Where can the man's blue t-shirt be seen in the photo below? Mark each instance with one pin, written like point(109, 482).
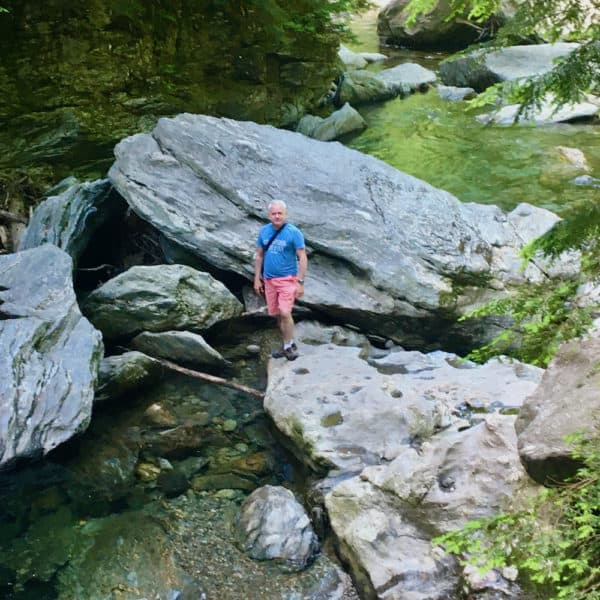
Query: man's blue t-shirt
point(280, 259)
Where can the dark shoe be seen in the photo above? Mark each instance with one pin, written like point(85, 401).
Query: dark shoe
point(289, 353)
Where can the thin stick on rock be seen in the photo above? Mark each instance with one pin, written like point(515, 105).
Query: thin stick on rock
point(210, 378)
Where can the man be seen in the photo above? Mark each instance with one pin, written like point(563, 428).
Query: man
point(279, 270)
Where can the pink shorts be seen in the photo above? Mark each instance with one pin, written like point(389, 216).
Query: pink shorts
point(280, 293)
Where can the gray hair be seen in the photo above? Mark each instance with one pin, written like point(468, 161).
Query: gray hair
point(278, 203)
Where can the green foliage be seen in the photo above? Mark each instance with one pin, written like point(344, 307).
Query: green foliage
point(553, 542)
point(571, 78)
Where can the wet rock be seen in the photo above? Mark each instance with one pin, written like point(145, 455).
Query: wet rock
point(258, 463)
point(159, 298)
point(364, 87)
point(342, 121)
point(222, 482)
point(178, 346)
point(548, 112)
point(177, 442)
point(147, 471)
point(272, 525)
point(172, 483)
point(566, 403)
point(123, 374)
point(159, 416)
point(50, 355)
point(479, 70)
point(351, 59)
point(409, 76)
point(105, 470)
point(192, 465)
point(456, 94)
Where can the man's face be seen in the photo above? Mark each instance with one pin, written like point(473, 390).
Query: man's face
point(277, 215)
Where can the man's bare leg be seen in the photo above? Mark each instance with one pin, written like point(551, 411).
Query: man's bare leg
point(286, 326)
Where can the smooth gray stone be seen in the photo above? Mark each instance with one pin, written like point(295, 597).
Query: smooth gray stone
point(387, 251)
point(342, 121)
point(455, 94)
point(49, 355)
point(273, 525)
point(159, 298)
point(408, 75)
point(479, 70)
point(178, 346)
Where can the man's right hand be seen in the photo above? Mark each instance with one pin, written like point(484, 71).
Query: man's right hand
point(259, 288)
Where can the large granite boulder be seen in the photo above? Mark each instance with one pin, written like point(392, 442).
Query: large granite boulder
point(566, 403)
point(159, 298)
point(418, 444)
point(49, 355)
point(387, 251)
point(70, 219)
point(479, 69)
point(338, 410)
point(432, 30)
point(384, 519)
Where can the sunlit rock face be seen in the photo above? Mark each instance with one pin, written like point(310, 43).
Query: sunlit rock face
point(387, 251)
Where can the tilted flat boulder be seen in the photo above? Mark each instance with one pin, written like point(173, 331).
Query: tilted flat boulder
point(70, 219)
point(386, 250)
point(339, 410)
point(178, 346)
point(566, 403)
point(480, 69)
point(159, 298)
point(49, 355)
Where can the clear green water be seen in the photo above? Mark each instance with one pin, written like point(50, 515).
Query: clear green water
point(441, 142)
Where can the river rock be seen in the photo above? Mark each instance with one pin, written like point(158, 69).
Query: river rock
point(273, 525)
point(159, 298)
point(337, 410)
point(480, 69)
point(394, 254)
point(566, 403)
point(433, 30)
point(455, 94)
point(351, 59)
point(50, 354)
point(384, 519)
point(342, 121)
point(178, 346)
point(548, 112)
point(124, 374)
point(70, 219)
point(408, 75)
point(365, 87)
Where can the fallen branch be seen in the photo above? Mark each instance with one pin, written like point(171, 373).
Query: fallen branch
point(210, 378)
point(7, 218)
